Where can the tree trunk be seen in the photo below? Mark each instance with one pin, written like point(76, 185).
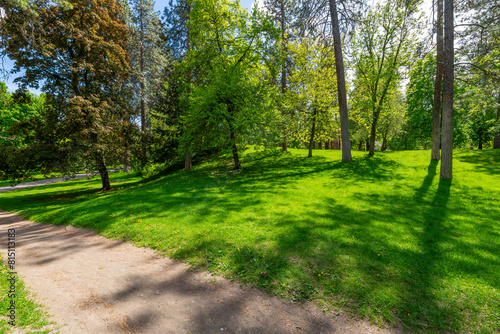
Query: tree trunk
point(448, 78)
point(342, 96)
point(143, 102)
point(188, 162)
point(367, 148)
point(480, 145)
point(373, 133)
point(100, 163)
point(311, 141)
point(320, 145)
point(424, 145)
point(384, 142)
point(360, 145)
point(126, 155)
point(436, 107)
point(284, 146)
point(496, 143)
point(237, 164)
point(103, 171)
point(126, 161)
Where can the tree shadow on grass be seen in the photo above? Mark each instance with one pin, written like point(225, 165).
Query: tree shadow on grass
point(487, 161)
point(152, 298)
point(373, 260)
point(386, 258)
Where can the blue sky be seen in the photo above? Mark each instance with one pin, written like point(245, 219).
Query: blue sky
point(8, 64)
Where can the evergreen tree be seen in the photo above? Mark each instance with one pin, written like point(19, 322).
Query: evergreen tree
point(147, 60)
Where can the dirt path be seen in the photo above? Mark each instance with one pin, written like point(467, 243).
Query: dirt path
point(41, 182)
point(49, 181)
point(95, 285)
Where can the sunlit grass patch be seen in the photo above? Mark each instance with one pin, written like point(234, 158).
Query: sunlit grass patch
point(28, 314)
point(381, 237)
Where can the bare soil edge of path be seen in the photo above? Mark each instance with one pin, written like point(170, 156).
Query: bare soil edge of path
point(52, 180)
point(92, 284)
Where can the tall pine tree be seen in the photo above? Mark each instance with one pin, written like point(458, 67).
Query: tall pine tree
point(148, 60)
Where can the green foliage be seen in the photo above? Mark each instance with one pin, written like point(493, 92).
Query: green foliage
point(381, 237)
point(229, 102)
point(17, 109)
point(148, 60)
point(82, 64)
point(474, 112)
point(382, 46)
point(419, 95)
point(312, 92)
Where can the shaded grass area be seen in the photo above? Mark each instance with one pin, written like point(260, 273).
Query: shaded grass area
point(381, 237)
point(28, 314)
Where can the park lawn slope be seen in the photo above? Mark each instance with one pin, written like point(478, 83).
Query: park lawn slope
point(381, 237)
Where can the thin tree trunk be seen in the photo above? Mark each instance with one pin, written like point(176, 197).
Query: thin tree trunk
point(480, 144)
point(424, 145)
point(448, 78)
point(126, 161)
point(367, 144)
point(360, 145)
point(496, 143)
point(237, 164)
point(327, 145)
point(143, 87)
point(436, 107)
point(384, 142)
point(284, 147)
point(100, 163)
point(373, 133)
point(188, 164)
point(126, 155)
point(311, 141)
point(342, 96)
point(320, 145)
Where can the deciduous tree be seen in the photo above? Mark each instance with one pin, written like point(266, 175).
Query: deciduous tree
point(78, 55)
point(383, 45)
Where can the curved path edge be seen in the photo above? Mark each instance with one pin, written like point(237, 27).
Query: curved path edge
point(92, 284)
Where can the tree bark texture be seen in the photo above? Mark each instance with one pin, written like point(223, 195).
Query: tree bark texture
point(311, 141)
point(188, 164)
point(284, 146)
point(342, 96)
point(448, 78)
point(384, 142)
point(100, 163)
point(237, 164)
point(373, 133)
point(143, 102)
point(436, 106)
point(126, 154)
point(126, 161)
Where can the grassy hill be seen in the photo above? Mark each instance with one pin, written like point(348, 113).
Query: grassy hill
point(381, 237)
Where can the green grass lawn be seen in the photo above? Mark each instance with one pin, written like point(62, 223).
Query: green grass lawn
point(381, 237)
point(29, 314)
